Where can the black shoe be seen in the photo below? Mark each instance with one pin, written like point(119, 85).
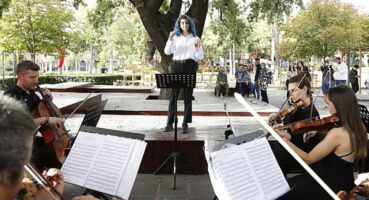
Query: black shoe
point(184, 128)
point(168, 128)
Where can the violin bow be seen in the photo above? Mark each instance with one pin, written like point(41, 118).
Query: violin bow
point(75, 110)
point(281, 141)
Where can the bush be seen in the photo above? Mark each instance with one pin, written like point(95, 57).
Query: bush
point(53, 79)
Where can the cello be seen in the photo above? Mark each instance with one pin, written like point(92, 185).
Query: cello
point(56, 138)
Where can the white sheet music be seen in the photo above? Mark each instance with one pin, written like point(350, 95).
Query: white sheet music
point(103, 162)
point(248, 171)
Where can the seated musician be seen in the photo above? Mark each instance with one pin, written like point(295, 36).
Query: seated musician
point(27, 78)
point(16, 138)
point(302, 95)
point(336, 153)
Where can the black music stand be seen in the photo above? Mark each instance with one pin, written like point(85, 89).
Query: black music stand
point(175, 82)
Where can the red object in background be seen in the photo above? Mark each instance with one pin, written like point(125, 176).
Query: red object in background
point(61, 57)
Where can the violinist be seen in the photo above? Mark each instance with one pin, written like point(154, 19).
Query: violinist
point(16, 138)
point(300, 93)
point(27, 78)
point(337, 151)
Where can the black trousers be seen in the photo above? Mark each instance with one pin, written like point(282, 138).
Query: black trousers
point(264, 96)
point(355, 86)
point(188, 67)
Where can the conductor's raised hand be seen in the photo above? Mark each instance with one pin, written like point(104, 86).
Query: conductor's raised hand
point(171, 35)
point(197, 42)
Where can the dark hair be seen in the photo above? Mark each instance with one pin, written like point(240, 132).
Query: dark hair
point(345, 102)
point(302, 63)
point(356, 66)
point(192, 28)
point(304, 82)
point(338, 58)
point(16, 129)
point(26, 65)
point(257, 59)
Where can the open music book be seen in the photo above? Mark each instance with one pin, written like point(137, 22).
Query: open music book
point(104, 163)
point(246, 171)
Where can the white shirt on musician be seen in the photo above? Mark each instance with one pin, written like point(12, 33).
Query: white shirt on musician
point(184, 48)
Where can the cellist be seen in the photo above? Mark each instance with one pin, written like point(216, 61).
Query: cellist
point(27, 77)
point(300, 93)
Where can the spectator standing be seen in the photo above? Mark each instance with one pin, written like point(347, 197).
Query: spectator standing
point(341, 72)
point(327, 76)
point(257, 76)
point(354, 78)
point(263, 81)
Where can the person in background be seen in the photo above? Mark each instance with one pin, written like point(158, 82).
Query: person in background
point(257, 76)
point(186, 48)
point(263, 82)
point(327, 76)
point(353, 77)
point(340, 72)
point(222, 82)
point(304, 68)
point(239, 76)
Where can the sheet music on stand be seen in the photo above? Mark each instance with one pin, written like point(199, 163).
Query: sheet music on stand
point(246, 171)
point(104, 160)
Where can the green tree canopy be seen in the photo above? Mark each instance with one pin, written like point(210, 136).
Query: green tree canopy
point(325, 27)
point(35, 26)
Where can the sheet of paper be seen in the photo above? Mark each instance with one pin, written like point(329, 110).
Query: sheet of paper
point(266, 169)
point(108, 164)
point(111, 162)
point(129, 175)
point(247, 171)
point(232, 168)
point(80, 158)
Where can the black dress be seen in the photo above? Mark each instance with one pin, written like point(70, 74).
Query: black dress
point(337, 173)
point(284, 159)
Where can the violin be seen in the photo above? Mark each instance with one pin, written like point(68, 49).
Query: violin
point(34, 181)
point(282, 114)
point(313, 124)
point(54, 137)
point(358, 192)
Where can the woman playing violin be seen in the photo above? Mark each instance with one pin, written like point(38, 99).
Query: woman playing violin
point(300, 90)
point(27, 75)
point(336, 153)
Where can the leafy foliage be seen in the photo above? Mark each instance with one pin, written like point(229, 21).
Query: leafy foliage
point(4, 4)
point(325, 27)
point(272, 10)
point(35, 26)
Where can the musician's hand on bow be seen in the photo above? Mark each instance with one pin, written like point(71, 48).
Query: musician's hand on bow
point(47, 92)
point(284, 134)
point(309, 135)
point(56, 178)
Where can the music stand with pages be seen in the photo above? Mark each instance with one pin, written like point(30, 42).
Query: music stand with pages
point(104, 161)
point(175, 82)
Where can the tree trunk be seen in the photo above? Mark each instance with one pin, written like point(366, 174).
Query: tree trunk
point(159, 25)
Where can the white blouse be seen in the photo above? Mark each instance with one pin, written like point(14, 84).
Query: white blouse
point(183, 48)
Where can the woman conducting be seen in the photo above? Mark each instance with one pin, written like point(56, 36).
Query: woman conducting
point(186, 48)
